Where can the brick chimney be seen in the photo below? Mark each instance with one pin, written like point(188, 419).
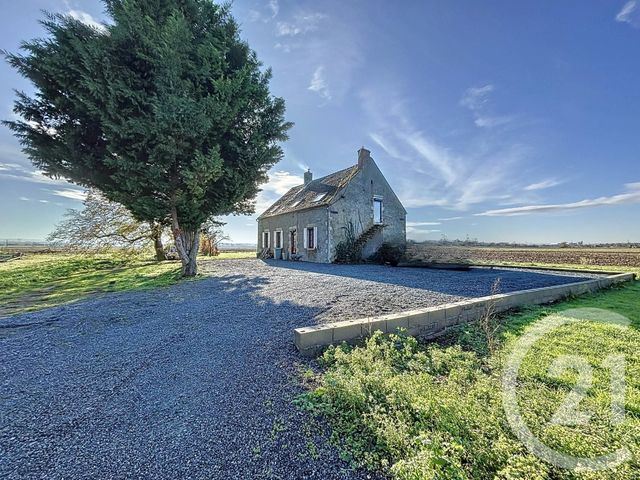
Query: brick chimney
point(308, 176)
point(364, 156)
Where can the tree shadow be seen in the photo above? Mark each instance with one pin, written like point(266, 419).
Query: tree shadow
point(204, 371)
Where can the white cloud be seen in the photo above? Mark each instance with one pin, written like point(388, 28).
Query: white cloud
point(300, 24)
point(449, 219)
point(274, 7)
point(476, 99)
point(631, 196)
point(279, 183)
point(14, 171)
point(549, 183)
point(268, 14)
point(86, 18)
point(319, 84)
point(71, 193)
point(630, 14)
point(43, 201)
point(422, 224)
point(24, 199)
point(6, 167)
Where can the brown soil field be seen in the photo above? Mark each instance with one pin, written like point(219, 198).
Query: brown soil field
point(605, 257)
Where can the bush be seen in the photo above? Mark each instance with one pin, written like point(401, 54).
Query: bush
point(388, 254)
point(348, 250)
point(435, 412)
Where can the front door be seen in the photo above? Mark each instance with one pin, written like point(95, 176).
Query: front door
point(293, 236)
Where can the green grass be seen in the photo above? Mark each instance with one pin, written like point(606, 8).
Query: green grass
point(42, 280)
point(37, 281)
point(435, 411)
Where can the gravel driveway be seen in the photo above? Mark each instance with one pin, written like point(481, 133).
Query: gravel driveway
point(194, 380)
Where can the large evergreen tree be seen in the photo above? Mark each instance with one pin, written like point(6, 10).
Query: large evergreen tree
point(165, 110)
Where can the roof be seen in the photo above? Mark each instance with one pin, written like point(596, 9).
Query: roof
point(317, 193)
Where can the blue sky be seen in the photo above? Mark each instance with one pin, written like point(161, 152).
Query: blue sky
point(503, 121)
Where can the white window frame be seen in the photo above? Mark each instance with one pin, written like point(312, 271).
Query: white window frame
point(266, 234)
point(378, 198)
point(315, 238)
point(275, 238)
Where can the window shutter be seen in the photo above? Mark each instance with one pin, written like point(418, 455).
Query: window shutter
point(268, 239)
point(315, 238)
point(306, 238)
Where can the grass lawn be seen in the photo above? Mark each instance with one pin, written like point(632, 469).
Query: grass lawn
point(434, 411)
point(37, 281)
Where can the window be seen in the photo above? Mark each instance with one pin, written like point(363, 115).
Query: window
point(277, 239)
point(265, 239)
point(377, 210)
point(319, 197)
point(310, 238)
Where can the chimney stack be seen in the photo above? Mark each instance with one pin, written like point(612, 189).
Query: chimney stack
point(308, 176)
point(364, 156)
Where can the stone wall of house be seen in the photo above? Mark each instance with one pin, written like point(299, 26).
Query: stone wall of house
point(356, 204)
point(300, 220)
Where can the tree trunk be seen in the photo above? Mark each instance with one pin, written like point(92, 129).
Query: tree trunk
point(156, 235)
point(187, 244)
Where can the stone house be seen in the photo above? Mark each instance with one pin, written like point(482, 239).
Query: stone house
point(308, 221)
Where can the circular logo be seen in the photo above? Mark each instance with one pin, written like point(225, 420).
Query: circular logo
point(568, 413)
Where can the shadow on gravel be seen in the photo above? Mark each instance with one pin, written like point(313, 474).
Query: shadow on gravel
point(190, 381)
point(472, 283)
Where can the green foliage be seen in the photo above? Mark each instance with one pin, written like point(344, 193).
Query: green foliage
point(388, 254)
point(435, 411)
point(348, 250)
point(165, 110)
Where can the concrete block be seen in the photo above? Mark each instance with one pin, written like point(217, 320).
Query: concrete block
point(396, 321)
point(371, 325)
point(452, 314)
point(307, 337)
point(347, 330)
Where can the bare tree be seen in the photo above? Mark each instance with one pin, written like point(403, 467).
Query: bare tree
point(102, 224)
point(489, 322)
point(211, 235)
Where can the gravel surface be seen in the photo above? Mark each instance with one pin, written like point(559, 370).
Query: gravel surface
point(195, 380)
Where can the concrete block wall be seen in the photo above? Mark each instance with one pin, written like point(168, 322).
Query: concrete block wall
point(433, 321)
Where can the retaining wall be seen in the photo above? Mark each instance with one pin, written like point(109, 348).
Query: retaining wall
point(433, 321)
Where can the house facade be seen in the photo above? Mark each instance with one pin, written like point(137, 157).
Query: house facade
point(308, 221)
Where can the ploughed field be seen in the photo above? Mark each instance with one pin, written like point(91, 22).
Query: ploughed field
point(603, 257)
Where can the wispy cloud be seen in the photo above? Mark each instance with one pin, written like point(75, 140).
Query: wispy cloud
point(630, 14)
point(450, 219)
point(632, 195)
point(300, 24)
point(319, 84)
point(71, 193)
point(476, 99)
point(549, 183)
point(434, 174)
point(422, 224)
point(14, 171)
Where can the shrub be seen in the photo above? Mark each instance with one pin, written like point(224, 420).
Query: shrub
point(348, 250)
point(435, 412)
point(388, 254)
